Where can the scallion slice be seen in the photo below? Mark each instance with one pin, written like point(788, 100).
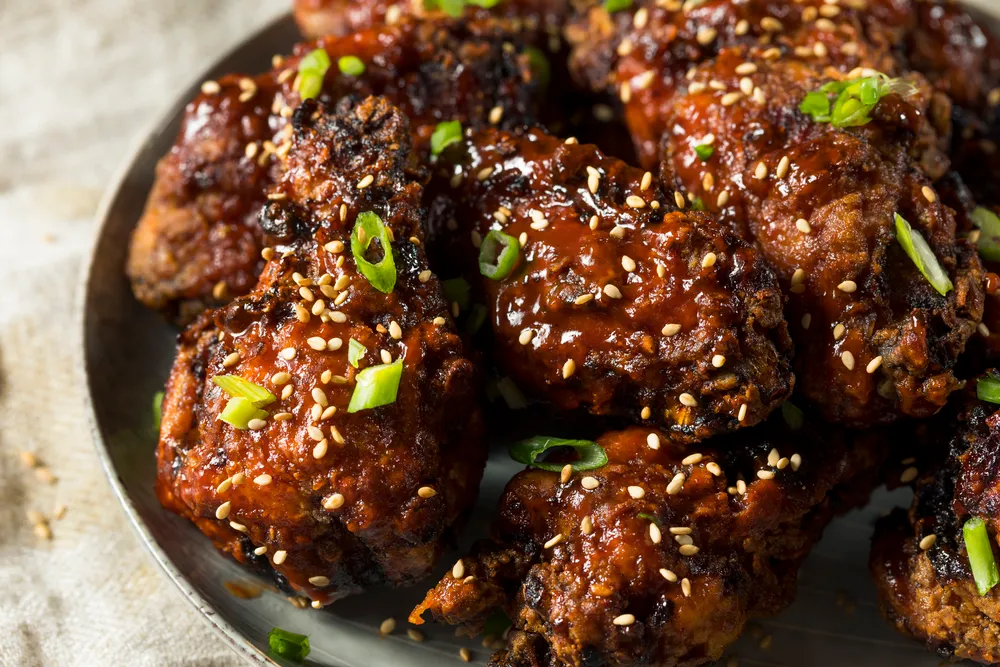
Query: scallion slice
point(989, 233)
point(376, 385)
point(591, 455)
point(486, 4)
point(498, 255)
point(613, 6)
point(649, 517)
point(157, 409)
point(382, 274)
point(980, 551)
point(445, 134)
point(239, 411)
point(511, 395)
point(917, 250)
point(288, 644)
point(355, 352)
point(452, 8)
point(312, 69)
point(792, 415)
point(704, 151)
point(854, 99)
point(988, 389)
point(540, 66)
point(238, 387)
point(351, 65)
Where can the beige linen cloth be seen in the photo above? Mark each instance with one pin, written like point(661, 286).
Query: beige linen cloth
point(80, 81)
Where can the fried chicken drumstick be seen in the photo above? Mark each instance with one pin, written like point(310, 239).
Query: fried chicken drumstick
point(363, 462)
point(661, 556)
point(198, 242)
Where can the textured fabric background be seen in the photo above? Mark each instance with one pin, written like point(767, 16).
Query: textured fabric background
point(80, 80)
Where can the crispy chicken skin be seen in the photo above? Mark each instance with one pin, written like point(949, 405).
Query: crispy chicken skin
point(334, 501)
point(918, 558)
point(874, 339)
point(661, 556)
point(620, 303)
point(198, 242)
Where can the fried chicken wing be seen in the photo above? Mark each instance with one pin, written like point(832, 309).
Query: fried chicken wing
point(198, 242)
point(335, 495)
point(661, 556)
point(919, 560)
point(619, 302)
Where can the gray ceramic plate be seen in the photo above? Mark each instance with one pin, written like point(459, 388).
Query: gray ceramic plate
point(127, 353)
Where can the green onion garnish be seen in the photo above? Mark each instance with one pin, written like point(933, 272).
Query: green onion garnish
point(697, 204)
point(355, 352)
point(457, 290)
point(853, 100)
point(498, 255)
point(288, 644)
point(988, 389)
point(237, 387)
point(157, 409)
point(445, 134)
point(511, 395)
point(351, 65)
point(989, 233)
point(312, 69)
point(792, 415)
point(452, 8)
point(917, 249)
point(377, 385)
point(540, 66)
point(239, 411)
point(382, 274)
point(704, 151)
point(591, 454)
point(486, 4)
point(977, 545)
point(648, 517)
point(616, 5)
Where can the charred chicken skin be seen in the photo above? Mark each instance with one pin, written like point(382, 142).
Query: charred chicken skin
point(919, 558)
point(198, 242)
point(332, 497)
point(618, 302)
point(661, 556)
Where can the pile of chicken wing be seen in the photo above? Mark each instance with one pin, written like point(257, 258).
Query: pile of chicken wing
point(746, 247)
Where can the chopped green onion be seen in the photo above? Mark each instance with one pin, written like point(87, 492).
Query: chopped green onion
point(540, 66)
point(704, 151)
point(917, 249)
point(237, 387)
point(157, 409)
point(511, 395)
point(988, 389)
point(355, 352)
point(697, 204)
point(977, 545)
point(792, 415)
point(989, 234)
point(817, 106)
point(376, 385)
point(312, 69)
point(445, 134)
point(476, 318)
point(351, 65)
point(854, 99)
point(485, 4)
point(452, 8)
point(616, 5)
point(498, 255)
point(288, 644)
point(591, 454)
point(382, 274)
point(457, 290)
point(239, 411)
point(649, 517)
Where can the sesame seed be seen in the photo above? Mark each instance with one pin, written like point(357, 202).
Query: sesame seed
point(554, 541)
point(723, 199)
point(795, 460)
point(316, 343)
point(465, 654)
point(387, 626)
point(525, 336)
point(636, 492)
point(708, 181)
point(262, 480)
point(641, 18)
point(729, 99)
point(319, 395)
point(765, 642)
point(210, 87)
point(803, 225)
point(838, 331)
point(386, 356)
point(426, 492)
point(415, 635)
point(439, 321)
point(647, 180)
point(484, 173)
point(319, 581)
point(760, 172)
point(713, 468)
point(983, 330)
point(458, 570)
point(718, 361)
point(746, 68)
point(668, 575)
point(683, 539)
point(874, 364)
point(593, 180)
point(782, 463)
point(288, 353)
point(848, 360)
point(635, 201)
point(742, 27)
point(692, 459)
point(670, 329)
point(587, 525)
point(238, 526)
point(231, 360)
point(628, 263)
point(319, 451)
point(225, 485)
point(928, 194)
point(617, 231)
point(686, 587)
point(771, 24)
point(366, 181)
point(315, 433)
point(566, 473)
point(589, 483)
point(624, 620)
point(908, 475)
point(395, 331)
point(696, 88)
point(654, 533)
point(260, 551)
point(688, 550)
point(612, 292)
point(773, 456)
point(688, 400)
point(765, 474)
point(927, 542)
point(746, 85)
point(336, 501)
point(806, 320)
point(496, 115)
point(239, 478)
point(583, 298)
point(342, 282)
point(645, 413)
point(709, 260)
point(676, 484)
point(679, 200)
point(222, 511)
point(653, 441)
point(287, 391)
point(594, 221)
point(848, 286)
point(568, 369)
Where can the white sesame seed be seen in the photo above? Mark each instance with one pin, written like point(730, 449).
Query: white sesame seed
point(692, 459)
point(587, 525)
point(654, 533)
point(568, 369)
point(653, 441)
point(287, 391)
point(288, 353)
point(713, 468)
point(647, 180)
point(612, 292)
point(465, 654)
point(795, 460)
point(806, 320)
point(496, 115)
point(983, 330)
point(635, 201)
point(718, 361)
point(773, 456)
point(387, 626)
point(222, 511)
point(280, 378)
point(670, 329)
point(315, 433)
point(686, 587)
point(636, 492)
point(848, 286)
point(746, 85)
point(321, 448)
point(927, 542)
point(628, 263)
point(565, 473)
point(583, 298)
point(706, 35)
point(238, 526)
point(723, 199)
point(262, 480)
point(458, 570)
point(803, 225)
point(908, 475)
point(415, 635)
point(617, 231)
point(688, 549)
point(336, 501)
point(688, 400)
point(426, 492)
point(554, 541)
point(874, 364)
point(624, 620)
point(225, 485)
point(765, 474)
point(676, 484)
point(729, 99)
point(239, 478)
point(679, 200)
point(929, 194)
point(709, 260)
point(319, 395)
point(366, 181)
point(260, 551)
point(231, 360)
point(683, 539)
point(316, 343)
point(589, 483)
point(668, 575)
point(848, 359)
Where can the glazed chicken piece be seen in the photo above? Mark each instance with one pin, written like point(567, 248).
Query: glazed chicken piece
point(617, 302)
point(198, 243)
point(919, 558)
point(661, 556)
point(343, 481)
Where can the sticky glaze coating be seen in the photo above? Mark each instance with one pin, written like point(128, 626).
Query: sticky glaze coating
point(620, 303)
point(929, 593)
point(588, 579)
point(198, 242)
point(334, 501)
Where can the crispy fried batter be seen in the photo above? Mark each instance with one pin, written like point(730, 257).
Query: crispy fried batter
point(620, 303)
point(601, 574)
point(198, 243)
point(929, 593)
point(325, 493)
